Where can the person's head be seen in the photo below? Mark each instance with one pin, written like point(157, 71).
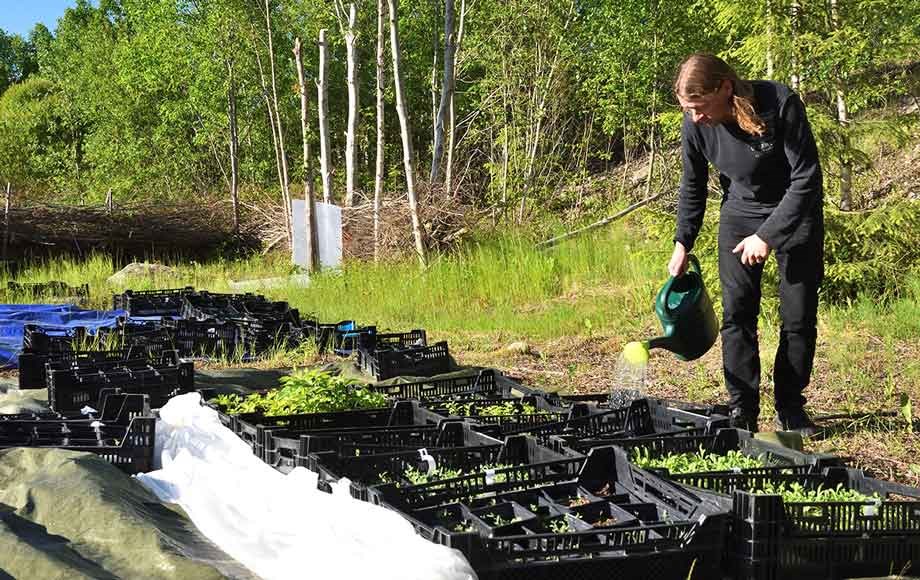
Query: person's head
point(711, 93)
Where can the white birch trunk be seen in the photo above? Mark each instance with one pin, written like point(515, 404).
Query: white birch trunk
point(352, 77)
point(323, 102)
point(447, 91)
point(378, 173)
point(285, 184)
point(418, 230)
point(452, 118)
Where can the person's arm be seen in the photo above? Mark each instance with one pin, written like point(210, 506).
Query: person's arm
point(806, 182)
point(691, 205)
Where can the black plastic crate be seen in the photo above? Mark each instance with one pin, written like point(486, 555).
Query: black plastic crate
point(666, 414)
point(205, 305)
point(771, 539)
point(116, 409)
point(39, 339)
point(33, 372)
point(152, 338)
point(481, 384)
point(255, 429)
point(258, 336)
point(415, 361)
point(166, 302)
point(726, 440)
point(206, 338)
point(54, 289)
point(368, 470)
point(642, 418)
point(128, 448)
point(514, 422)
point(585, 518)
point(285, 450)
point(69, 390)
point(372, 340)
point(264, 310)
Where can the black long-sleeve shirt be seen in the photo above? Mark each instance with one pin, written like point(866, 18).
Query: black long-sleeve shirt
point(776, 175)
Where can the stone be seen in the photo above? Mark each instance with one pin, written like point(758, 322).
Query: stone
point(141, 270)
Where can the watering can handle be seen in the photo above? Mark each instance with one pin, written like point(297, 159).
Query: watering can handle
point(694, 263)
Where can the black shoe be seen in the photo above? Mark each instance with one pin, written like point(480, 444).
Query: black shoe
point(796, 420)
point(743, 419)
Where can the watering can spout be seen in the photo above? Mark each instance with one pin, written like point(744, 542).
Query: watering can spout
point(665, 342)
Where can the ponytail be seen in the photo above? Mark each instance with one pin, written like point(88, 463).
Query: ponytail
point(745, 115)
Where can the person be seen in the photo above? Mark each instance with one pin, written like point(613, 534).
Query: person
point(756, 134)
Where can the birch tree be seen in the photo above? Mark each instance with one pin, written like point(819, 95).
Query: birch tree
point(381, 140)
point(347, 28)
point(447, 91)
point(418, 229)
point(322, 87)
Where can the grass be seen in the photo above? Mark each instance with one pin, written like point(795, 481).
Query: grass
point(575, 306)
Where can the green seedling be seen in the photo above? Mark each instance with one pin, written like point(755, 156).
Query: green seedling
point(495, 410)
point(308, 391)
point(701, 461)
point(560, 526)
point(497, 521)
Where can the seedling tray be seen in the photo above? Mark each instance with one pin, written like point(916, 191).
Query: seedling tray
point(130, 449)
point(70, 390)
point(774, 539)
point(152, 302)
point(284, 450)
point(367, 470)
point(516, 421)
point(33, 367)
point(414, 361)
point(567, 519)
point(206, 338)
point(482, 384)
point(253, 428)
point(724, 441)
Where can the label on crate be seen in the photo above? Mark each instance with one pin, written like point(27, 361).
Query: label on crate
point(428, 459)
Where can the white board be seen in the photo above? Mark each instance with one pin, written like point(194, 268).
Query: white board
point(329, 234)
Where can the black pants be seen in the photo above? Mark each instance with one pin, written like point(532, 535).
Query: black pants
point(801, 269)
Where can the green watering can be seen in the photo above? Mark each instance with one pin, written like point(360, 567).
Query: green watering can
point(685, 310)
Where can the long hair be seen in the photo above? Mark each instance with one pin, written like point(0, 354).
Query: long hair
point(702, 74)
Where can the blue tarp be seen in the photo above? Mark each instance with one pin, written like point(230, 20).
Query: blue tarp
point(55, 318)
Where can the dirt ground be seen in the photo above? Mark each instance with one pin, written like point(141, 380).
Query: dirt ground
point(887, 446)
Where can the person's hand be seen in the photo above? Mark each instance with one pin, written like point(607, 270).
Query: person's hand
point(753, 250)
point(678, 264)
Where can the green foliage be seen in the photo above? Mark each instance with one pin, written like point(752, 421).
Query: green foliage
point(416, 476)
point(308, 391)
point(36, 135)
point(871, 253)
point(507, 408)
point(797, 493)
point(560, 526)
point(701, 461)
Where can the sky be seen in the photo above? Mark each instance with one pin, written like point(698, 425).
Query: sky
point(19, 16)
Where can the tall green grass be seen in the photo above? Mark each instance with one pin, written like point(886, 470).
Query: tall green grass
point(502, 287)
point(499, 286)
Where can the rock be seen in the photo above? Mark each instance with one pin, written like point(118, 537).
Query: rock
point(519, 347)
point(140, 270)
